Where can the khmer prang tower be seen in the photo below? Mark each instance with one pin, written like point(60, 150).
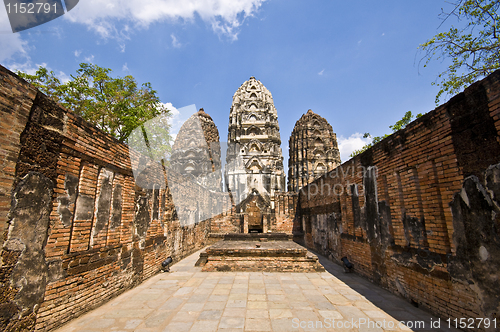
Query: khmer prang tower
point(254, 158)
point(254, 161)
point(194, 172)
point(313, 150)
point(196, 151)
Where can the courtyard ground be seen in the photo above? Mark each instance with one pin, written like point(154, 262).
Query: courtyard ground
point(187, 299)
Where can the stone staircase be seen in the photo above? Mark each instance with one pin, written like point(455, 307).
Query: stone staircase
point(272, 252)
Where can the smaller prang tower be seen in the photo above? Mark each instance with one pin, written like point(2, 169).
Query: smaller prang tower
point(194, 172)
point(313, 150)
point(196, 151)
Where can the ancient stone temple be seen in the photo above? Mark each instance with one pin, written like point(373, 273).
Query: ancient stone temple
point(313, 150)
point(85, 217)
point(254, 169)
point(194, 171)
point(196, 151)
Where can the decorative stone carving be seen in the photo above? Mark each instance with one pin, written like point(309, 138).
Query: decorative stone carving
point(254, 157)
point(313, 150)
point(194, 173)
point(196, 151)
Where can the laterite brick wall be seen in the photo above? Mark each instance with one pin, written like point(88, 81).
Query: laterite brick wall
point(418, 212)
point(76, 228)
point(284, 207)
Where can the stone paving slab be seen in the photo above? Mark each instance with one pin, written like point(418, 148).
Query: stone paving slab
point(187, 299)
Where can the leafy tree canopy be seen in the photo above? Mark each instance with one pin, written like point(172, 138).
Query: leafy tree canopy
point(114, 105)
point(400, 124)
point(474, 48)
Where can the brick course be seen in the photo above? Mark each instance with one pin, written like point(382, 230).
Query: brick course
point(400, 210)
point(97, 243)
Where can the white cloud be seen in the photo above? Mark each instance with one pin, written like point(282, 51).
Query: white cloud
point(77, 53)
point(224, 16)
point(11, 44)
point(125, 67)
point(321, 72)
point(31, 69)
point(348, 145)
point(89, 59)
point(178, 117)
point(174, 111)
point(175, 42)
point(26, 67)
point(63, 77)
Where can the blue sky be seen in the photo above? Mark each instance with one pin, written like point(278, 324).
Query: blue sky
point(353, 62)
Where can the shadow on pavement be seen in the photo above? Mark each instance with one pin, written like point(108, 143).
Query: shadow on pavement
point(395, 306)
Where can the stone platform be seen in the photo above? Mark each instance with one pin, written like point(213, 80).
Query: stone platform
point(258, 253)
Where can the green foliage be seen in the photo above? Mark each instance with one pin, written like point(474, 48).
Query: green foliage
point(474, 49)
point(400, 124)
point(44, 81)
point(114, 105)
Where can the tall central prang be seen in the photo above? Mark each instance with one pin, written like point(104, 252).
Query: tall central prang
point(254, 158)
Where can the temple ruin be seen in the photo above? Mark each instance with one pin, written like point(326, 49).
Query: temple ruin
point(313, 150)
point(417, 213)
point(254, 163)
point(254, 158)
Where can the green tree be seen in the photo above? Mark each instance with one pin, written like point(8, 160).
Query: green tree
point(114, 105)
point(44, 81)
point(474, 48)
point(400, 124)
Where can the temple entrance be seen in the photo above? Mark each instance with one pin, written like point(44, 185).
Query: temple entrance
point(255, 224)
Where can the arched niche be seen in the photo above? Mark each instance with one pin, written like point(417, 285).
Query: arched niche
point(320, 168)
point(254, 147)
point(253, 131)
point(189, 168)
point(254, 165)
point(318, 153)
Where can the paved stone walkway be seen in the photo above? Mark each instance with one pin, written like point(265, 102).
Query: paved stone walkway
point(187, 299)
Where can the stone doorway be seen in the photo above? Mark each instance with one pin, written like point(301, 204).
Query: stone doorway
point(255, 224)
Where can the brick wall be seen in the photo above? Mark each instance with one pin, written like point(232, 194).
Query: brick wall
point(284, 207)
point(16, 99)
point(76, 228)
point(417, 213)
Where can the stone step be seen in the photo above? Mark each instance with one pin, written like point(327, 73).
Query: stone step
point(255, 256)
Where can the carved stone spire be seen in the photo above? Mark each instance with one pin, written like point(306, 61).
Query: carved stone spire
point(313, 150)
point(196, 151)
point(254, 157)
